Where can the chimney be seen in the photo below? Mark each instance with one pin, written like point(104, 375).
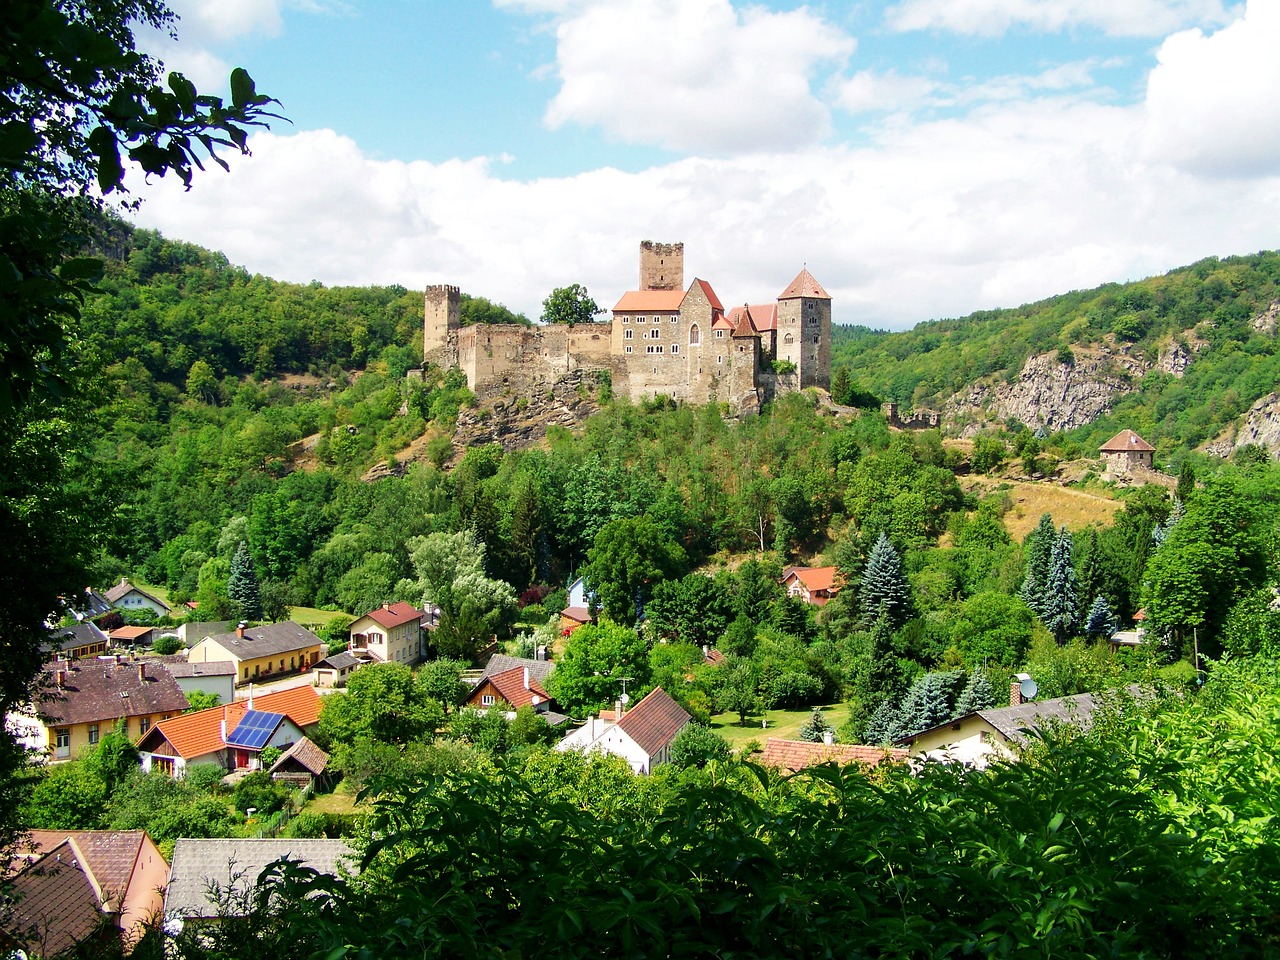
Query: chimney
point(1015, 694)
point(526, 678)
point(828, 737)
point(142, 671)
point(223, 727)
point(240, 629)
point(61, 678)
point(250, 694)
point(617, 709)
point(541, 654)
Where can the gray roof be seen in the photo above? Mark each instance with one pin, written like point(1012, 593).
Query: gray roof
point(1013, 722)
point(501, 663)
point(198, 865)
point(341, 660)
point(179, 667)
point(79, 635)
point(268, 640)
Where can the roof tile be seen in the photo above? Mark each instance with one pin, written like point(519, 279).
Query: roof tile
point(654, 721)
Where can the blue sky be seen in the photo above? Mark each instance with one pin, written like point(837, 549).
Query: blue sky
point(924, 158)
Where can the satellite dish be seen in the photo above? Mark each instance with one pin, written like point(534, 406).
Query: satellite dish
point(625, 698)
point(535, 699)
point(1026, 686)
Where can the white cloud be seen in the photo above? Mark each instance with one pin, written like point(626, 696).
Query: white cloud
point(202, 26)
point(1127, 18)
point(696, 75)
point(1214, 100)
point(1010, 203)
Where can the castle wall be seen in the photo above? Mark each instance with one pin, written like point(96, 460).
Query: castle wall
point(524, 359)
point(441, 319)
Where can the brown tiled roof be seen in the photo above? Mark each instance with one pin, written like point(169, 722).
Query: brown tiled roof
point(95, 691)
point(391, 615)
point(179, 667)
point(643, 301)
point(127, 633)
point(58, 903)
point(1126, 441)
point(580, 614)
point(713, 657)
point(305, 754)
point(716, 305)
point(804, 285)
point(501, 663)
point(268, 640)
point(792, 755)
point(110, 854)
point(510, 686)
point(815, 578)
point(654, 721)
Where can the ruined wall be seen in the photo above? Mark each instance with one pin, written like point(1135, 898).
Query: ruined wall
point(523, 359)
point(661, 266)
point(441, 319)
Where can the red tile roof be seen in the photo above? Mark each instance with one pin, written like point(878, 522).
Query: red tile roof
point(110, 854)
point(804, 285)
point(129, 633)
point(1126, 441)
point(644, 301)
point(710, 294)
point(721, 322)
point(512, 687)
point(200, 733)
point(392, 615)
point(792, 755)
point(761, 316)
point(814, 578)
point(57, 902)
point(654, 721)
point(97, 691)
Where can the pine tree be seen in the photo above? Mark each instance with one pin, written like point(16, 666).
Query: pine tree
point(1102, 621)
point(929, 701)
point(885, 725)
point(814, 729)
point(242, 585)
point(1062, 593)
point(1039, 551)
point(884, 591)
point(977, 695)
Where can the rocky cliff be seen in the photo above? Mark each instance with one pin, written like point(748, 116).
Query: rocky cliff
point(1259, 426)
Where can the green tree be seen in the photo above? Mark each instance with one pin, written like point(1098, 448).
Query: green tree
point(571, 304)
point(1038, 548)
point(1102, 623)
point(588, 676)
point(883, 592)
point(740, 691)
point(69, 796)
point(693, 609)
point(201, 700)
point(696, 746)
point(1062, 593)
point(202, 384)
point(976, 695)
point(628, 559)
point(989, 452)
point(167, 644)
point(381, 703)
point(816, 727)
point(242, 585)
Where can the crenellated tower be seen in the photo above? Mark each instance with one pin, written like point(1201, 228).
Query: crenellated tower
point(661, 266)
point(441, 321)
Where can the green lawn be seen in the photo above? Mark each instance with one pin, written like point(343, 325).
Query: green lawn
point(339, 802)
point(778, 723)
point(310, 617)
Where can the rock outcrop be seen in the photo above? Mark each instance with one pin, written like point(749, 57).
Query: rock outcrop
point(1259, 426)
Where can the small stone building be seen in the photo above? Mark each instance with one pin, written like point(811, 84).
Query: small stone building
point(1127, 453)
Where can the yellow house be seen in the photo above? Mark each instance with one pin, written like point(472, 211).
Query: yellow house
point(87, 698)
point(271, 650)
point(390, 634)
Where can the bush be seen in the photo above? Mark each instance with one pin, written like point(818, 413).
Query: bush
point(696, 746)
point(260, 793)
point(167, 644)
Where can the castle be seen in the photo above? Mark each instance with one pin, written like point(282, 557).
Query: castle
point(663, 339)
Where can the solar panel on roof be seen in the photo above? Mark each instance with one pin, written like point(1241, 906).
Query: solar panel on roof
point(254, 729)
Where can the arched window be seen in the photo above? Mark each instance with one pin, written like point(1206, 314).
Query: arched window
point(788, 339)
point(694, 336)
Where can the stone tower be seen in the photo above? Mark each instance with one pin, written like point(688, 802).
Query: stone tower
point(441, 320)
point(661, 266)
point(804, 315)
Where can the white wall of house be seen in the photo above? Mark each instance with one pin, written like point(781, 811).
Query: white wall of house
point(972, 741)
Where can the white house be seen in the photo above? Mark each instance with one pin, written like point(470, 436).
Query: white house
point(390, 634)
point(125, 596)
point(642, 736)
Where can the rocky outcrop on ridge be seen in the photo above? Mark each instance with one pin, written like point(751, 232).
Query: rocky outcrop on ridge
point(1260, 426)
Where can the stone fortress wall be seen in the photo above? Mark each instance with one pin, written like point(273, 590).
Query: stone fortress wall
point(663, 339)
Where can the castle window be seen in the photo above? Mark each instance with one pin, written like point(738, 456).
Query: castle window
point(675, 348)
point(719, 334)
point(625, 318)
point(628, 349)
point(626, 335)
point(655, 333)
point(720, 359)
point(787, 339)
point(815, 339)
point(642, 319)
point(695, 336)
point(675, 318)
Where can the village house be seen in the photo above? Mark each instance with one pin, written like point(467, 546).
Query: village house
point(77, 642)
point(789, 756)
point(512, 689)
point(233, 735)
point(271, 650)
point(80, 701)
point(334, 669)
point(393, 633)
point(301, 765)
point(217, 677)
point(1127, 453)
point(75, 888)
point(815, 585)
point(128, 636)
point(642, 735)
point(125, 596)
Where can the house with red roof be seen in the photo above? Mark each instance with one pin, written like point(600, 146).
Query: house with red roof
point(642, 735)
point(393, 633)
point(789, 756)
point(233, 735)
point(815, 585)
point(510, 690)
point(1126, 453)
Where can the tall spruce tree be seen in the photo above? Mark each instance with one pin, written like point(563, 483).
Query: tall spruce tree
point(814, 729)
point(242, 585)
point(977, 695)
point(1101, 622)
point(1062, 592)
point(930, 700)
point(884, 592)
point(1039, 551)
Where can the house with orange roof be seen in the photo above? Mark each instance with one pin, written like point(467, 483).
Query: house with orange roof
point(510, 690)
point(233, 735)
point(642, 735)
point(789, 756)
point(664, 339)
point(1126, 453)
point(76, 885)
point(815, 585)
point(392, 633)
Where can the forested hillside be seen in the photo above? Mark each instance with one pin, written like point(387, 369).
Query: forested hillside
point(1183, 354)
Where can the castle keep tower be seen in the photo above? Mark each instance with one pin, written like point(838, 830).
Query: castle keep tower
point(441, 320)
point(804, 330)
point(661, 266)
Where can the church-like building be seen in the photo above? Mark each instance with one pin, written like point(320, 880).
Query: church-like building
point(664, 338)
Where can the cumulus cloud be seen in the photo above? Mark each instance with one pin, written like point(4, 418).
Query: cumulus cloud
point(1214, 100)
point(1010, 203)
point(693, 75)
point(202, 26)
point(1125, 18)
